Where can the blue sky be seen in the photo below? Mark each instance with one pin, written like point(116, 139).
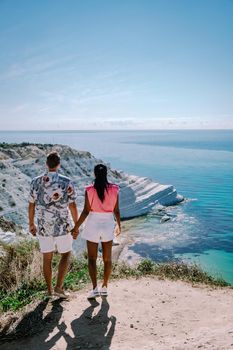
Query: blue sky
point(120, 64)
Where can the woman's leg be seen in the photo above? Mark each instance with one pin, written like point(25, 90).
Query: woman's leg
point(92, 250)
point(107, 258)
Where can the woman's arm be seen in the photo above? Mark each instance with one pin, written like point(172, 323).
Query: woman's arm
point(117, 215)
point(74, 211)
point(84, 214)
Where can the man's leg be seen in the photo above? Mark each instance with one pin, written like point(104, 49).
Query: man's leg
point(62, 270)
point(107, 258)
point(47, 269)
point(92, 250)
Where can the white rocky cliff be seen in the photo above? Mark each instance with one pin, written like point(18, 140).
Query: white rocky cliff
point(19, 163)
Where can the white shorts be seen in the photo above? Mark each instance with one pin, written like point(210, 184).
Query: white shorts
point(99, 227)
point(63, 244)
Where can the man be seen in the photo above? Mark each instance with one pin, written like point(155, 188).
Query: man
point(52, 196)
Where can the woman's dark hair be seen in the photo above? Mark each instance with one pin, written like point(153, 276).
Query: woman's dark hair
point(101, 182)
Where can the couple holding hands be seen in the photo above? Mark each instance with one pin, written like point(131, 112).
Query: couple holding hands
point(52, 197)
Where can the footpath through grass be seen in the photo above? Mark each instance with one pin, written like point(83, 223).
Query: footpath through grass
point(21, 277)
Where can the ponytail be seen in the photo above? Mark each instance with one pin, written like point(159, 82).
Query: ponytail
point(101, 181)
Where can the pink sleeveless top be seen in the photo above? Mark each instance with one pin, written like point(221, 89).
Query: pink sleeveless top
point(110, 198)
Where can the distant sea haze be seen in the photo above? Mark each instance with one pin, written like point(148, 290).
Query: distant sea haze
point(198, 163)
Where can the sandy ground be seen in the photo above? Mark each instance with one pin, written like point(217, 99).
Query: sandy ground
point(140, 314)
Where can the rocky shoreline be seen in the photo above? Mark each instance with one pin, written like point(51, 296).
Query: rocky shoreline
point(19, 163)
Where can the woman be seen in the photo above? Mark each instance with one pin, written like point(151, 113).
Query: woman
point(101, 205)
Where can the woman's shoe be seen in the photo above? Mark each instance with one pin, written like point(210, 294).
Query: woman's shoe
point(93, 293)
point(104, 292)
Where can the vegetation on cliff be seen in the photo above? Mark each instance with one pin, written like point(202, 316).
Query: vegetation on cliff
point(21, 277)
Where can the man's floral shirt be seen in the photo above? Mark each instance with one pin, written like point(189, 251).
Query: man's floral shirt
point(52, 193)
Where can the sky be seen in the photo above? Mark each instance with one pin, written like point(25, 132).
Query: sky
point(120, 64)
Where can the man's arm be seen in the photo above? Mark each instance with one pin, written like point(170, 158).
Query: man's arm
point(31, 216)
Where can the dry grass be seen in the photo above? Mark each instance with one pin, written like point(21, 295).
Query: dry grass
point(20, 264)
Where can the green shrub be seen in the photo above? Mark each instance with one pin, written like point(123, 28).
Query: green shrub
point(146, 266)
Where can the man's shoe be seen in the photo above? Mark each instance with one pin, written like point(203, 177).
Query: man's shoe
point(61, 293)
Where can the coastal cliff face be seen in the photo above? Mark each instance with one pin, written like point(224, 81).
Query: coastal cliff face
point(19, 163)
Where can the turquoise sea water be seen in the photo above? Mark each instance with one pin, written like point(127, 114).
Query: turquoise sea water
point(198, 163)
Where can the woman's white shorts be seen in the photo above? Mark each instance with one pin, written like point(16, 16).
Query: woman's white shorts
point(63, 244)
point(99, 227)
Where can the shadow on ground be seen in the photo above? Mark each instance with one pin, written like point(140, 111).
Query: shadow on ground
point(89, 331)
point(34, 322)
point(92, 331)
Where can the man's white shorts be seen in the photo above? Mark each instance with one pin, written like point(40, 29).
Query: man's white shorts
point(62, 244)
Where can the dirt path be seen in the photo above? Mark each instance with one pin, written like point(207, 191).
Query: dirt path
point(143, 314)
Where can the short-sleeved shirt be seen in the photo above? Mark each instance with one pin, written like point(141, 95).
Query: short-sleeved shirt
point(109, 202)
point(52, 193)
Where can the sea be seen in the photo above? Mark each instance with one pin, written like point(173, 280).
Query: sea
point(199, 163)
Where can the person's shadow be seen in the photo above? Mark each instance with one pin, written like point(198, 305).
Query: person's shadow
point(92, 331)
point(35, 323)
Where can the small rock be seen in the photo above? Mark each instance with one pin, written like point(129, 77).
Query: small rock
point(131, 325)
point(164, 219)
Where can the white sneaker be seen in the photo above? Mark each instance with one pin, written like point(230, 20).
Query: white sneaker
point(93, 293)
point(115, 242)
point(103, 292)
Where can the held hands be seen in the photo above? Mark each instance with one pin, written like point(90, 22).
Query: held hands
point(75, 232)
point(32, 229)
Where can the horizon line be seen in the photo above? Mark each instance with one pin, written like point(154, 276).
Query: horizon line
point(115, 130)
